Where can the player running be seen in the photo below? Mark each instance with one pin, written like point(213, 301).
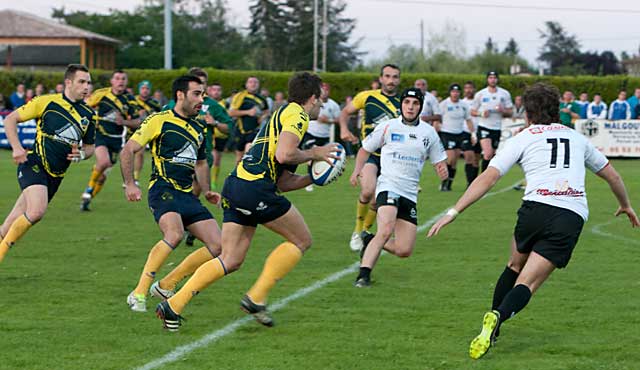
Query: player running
point(149, 105)
point(178, 152)
point(248, 108)
point(224, 124)
point(65, 123)
point(379, 106)
point(471, 152)
point(490, 105)
point(251, 197)
point(116, 110)
point(554, 208)
point(455, 116)
point(406, 143)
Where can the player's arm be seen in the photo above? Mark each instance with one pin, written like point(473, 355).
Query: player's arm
point(343, 120)
point(613, 178)
point(11, 130)
point(374, 141)
point(289, 181)
point(436, 114)
point(361, 159)
point(127, 154)
point(287, 151)
point(474, 136)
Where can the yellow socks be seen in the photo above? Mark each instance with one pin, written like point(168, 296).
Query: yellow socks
point(136, 175)
point(187, 267)
point(157, 256)
point(361, 211)
point(99, 186)
point(369, 219)
point(215, 172)
point(93, 180)
point(18, 228)
point(204, 276)
point(278, 264)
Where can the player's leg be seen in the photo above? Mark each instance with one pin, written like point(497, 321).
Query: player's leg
point(368, 180)
point(487, 152)
point(18, 209)
point(217, 160)
point(170, 224)
point(368, 191)
point(387, 215)
point(206, 231)
point(98, 176)
point(507, 279)
point(36, 199)
point(403, 243)
point(470, 166)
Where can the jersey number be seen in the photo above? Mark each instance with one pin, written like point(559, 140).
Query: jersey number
point(554, 152)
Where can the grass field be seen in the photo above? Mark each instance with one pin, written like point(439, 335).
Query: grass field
point(64, 287)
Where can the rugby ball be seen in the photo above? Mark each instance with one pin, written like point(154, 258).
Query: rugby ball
point(323, 173)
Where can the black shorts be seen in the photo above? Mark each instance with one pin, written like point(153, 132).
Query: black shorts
point(550, 231)
point(309, 141)
point(451, 141)
point(466, 144)
point(32, 172)
point(220, 144)
point(374, 159)
point(164, 198)
point(494, 135)
point(113, 144)
point(241, 140)
point(406, 209)
point(250, 203)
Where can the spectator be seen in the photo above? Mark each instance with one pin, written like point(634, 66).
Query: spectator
point(569, 110)
point(597, 109)
point(633, 102)
point(159, 97)
point(59, 88)
point(17, 98)
point(620, 108)
point(583, 103)
point(28, 95)
point(278, 100)
point(518, 108)
point(39, 90)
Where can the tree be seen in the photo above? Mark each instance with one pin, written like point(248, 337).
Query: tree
point(512, 48)
point(559, 49)
point(268, 34)
point(490, 46)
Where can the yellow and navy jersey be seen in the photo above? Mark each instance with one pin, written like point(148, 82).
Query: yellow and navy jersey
point(150, 105)
point(260, 161)
point(61, 123)
point(108, 105)
point(245, 100)
point(176, 144)
point(377, 107)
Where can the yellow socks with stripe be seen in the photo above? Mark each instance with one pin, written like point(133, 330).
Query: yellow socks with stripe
point(157, 256)
point(99, 185)
point(187, 267)
point(93, 180)
point(215, 173)
point(17, 229)
point(278, 264)
point(204, 276)
point(361, 211)
point(369, 219)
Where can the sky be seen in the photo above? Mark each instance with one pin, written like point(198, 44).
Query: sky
point(381, 23)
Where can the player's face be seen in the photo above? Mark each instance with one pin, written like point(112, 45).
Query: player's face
point(492, 81)
point(78, 88)
point(469, 90)
point(410, 108)
point(119, 82)
point(390, 79)
point(454, 94)
point(316, 104)
point(324, 92)
point(215, 92)
point(193, 99)
point(145, 91)
point(421, 84)
point(252, 85)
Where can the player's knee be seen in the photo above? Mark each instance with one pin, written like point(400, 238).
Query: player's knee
point(514, 265)
point(404, 252)
point(385, 232)
point(366, 195)
point(304, 242)
point(231, 264)
point(173, 237)
point(35, 215)
point(487, 156)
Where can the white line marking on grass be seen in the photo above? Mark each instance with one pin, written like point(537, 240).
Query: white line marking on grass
point(596, 230)
point(218, 334)
point(233, 326)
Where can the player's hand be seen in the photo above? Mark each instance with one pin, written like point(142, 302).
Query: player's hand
point(354, 178)
point(566, 110)
point(474, 138)
point(485, 114)
point(252, 112)
point(76, 154)
point(441, 170)
point(326, 152)
point(635, 222)
point(209, 119)
point(213, 197)
point(348, 136)
point(19, 155)
point(132, 192)
point(442, 222)
point(119, 119)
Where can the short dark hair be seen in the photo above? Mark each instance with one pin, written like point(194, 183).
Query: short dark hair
point(597, 94)
point(182, 84)
point(199, 72)
point(71, 70)
point(622, 91)
point(541, 104)
point(116, 71)
point(215, 83)
point(391, 65)
point(302, 86)
point(470, 83)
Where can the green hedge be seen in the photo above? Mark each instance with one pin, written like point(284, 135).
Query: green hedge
point(343, 84)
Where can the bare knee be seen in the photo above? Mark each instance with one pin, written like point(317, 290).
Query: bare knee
point(214, 249)
point(404, 252)
point(304, 242)
point(366, 195)
point(230, 263)
point(35, 215)
point(173, 237)
point(515, 265)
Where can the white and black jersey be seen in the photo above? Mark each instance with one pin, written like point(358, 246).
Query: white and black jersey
point(487, 101)
point(454, 116)
point(405, 149)
point(553, 158)
point(430, 107)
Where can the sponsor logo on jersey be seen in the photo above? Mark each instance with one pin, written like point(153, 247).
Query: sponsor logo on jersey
point(570, 192)
point(67, 134)
point(185, 155)
point(397, 137)
point(413, 136)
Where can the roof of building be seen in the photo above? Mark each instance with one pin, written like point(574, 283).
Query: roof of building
point(17, 24)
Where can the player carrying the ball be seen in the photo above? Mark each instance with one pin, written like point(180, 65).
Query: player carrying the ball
point(406, 143)
point(251, 196)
